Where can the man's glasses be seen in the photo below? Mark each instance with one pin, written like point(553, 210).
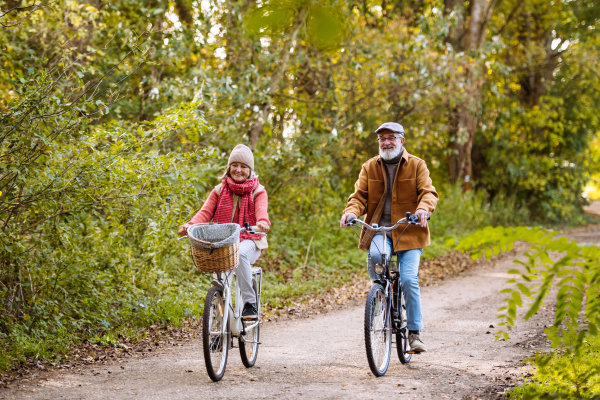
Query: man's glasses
point(388, 139)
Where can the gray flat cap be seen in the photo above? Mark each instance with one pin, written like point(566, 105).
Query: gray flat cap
point(391, 126)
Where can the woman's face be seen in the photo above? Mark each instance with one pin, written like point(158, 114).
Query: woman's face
point(239, 172)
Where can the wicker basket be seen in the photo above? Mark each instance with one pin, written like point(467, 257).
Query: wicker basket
point(215, 248)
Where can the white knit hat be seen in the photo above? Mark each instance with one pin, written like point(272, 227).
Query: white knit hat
point(242, 153)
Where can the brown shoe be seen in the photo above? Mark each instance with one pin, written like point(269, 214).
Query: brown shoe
point(416, 344)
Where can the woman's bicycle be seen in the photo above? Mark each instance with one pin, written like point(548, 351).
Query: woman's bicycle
point(385, 311)
point(222, 320)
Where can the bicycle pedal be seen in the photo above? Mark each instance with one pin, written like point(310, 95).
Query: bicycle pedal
point(413, 352)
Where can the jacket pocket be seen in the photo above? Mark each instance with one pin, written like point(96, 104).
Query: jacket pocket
point(406, 191)
point(376, 190)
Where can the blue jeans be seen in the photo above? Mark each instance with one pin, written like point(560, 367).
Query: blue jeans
point(409, 277)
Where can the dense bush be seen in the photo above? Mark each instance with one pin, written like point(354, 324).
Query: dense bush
point(566, 376)
point(84, 210)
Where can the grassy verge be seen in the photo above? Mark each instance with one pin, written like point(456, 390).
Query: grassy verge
point(572, 376)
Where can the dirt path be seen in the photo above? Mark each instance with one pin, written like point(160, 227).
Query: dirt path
point(324, 357)
point(593, 208)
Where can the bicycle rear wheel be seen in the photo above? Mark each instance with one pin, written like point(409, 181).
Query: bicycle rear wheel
point(215, 342)
point(249, 343)
point(378, 332)
point(402, 345)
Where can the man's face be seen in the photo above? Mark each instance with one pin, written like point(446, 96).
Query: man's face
point(389, 142)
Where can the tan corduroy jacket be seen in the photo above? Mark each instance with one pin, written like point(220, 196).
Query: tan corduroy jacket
point(412, 190)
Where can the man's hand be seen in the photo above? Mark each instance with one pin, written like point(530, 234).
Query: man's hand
point(262, 226)
point(183, 229)
point(423, 215)
point(345, 219)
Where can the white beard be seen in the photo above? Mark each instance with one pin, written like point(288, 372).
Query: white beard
point(388, 154)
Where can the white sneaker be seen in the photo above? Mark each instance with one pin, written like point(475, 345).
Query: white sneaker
point(416, 344)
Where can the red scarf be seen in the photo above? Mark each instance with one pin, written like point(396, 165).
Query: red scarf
point(225, 204)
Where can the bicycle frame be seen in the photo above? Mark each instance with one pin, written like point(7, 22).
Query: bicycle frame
point(388, 285)
point(233, 318)
point(387, 281)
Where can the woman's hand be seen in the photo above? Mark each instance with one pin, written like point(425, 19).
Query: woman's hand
point(183, 229)
point(262, 226)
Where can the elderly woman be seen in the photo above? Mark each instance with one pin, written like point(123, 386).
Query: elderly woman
point(239, 198)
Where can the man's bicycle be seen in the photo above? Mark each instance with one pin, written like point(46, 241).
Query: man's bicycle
point(222, 319)
point(385, 310)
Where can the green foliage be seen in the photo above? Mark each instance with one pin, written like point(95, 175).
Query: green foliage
point(537, 126)
point(563, 375)
point(321, 21)
point(574, 271)
point(459, 213)
point(83, 209)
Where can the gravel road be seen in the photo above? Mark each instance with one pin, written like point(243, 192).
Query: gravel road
point(324, 356)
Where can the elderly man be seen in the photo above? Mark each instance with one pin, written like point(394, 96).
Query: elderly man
point(388, 186)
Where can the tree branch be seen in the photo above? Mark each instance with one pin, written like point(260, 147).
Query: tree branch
point(34, 6)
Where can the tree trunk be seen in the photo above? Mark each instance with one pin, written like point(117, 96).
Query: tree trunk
point(276, 77)
point(184, 13)
point(468, 35)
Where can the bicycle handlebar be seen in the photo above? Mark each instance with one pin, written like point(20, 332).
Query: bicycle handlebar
point(412, 219)
point(252, 229)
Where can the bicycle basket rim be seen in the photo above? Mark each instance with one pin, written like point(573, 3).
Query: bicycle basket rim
point(213, 236)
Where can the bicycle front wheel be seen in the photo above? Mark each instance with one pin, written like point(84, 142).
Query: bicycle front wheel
point(215, 342)
point(249, 343)
point(378, 331)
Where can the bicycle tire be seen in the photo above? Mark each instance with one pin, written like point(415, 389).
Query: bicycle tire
point(378, 332)
point(215, 346)
point(250, 353)
point(402, 345)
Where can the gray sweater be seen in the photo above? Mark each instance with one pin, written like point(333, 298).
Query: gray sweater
point(391, 166)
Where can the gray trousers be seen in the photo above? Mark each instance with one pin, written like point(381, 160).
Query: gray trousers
point(249, 253)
